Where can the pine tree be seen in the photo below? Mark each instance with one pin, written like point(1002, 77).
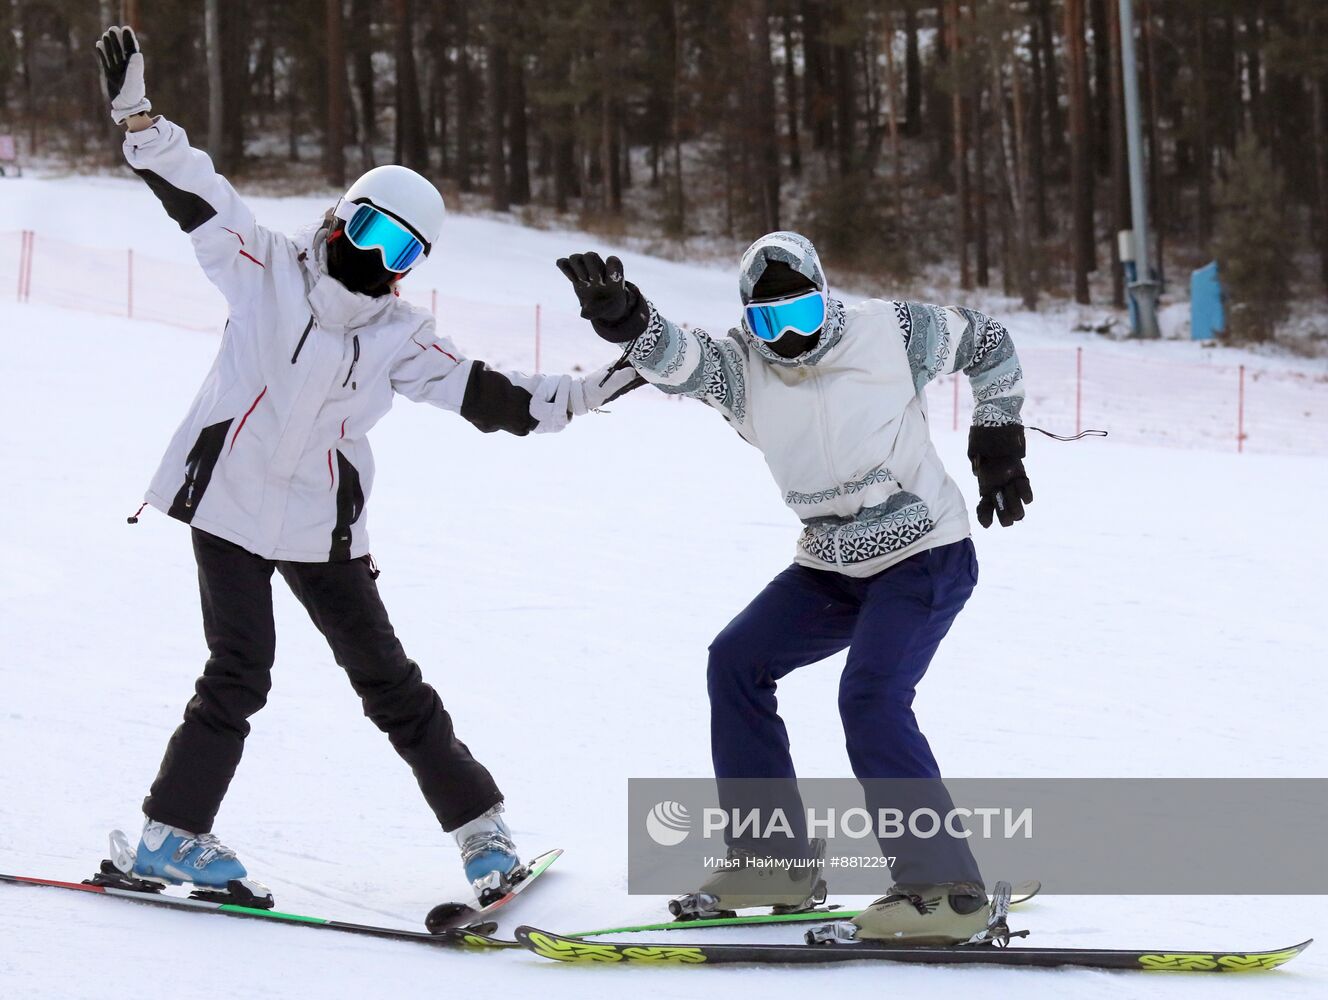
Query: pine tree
point(1255, 258)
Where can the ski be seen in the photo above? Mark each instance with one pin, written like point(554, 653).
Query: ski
point(566, 949)
point(454, 937)
point(1022, 893)
point(450, 915)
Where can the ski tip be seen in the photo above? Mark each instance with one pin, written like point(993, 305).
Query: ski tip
point(547, 944)
point(479, 936)
point(540, 861)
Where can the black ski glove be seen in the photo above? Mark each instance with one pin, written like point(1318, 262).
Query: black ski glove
point(122, 70)
point(616, 308)
point(996, 454)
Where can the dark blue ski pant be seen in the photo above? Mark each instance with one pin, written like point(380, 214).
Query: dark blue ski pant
point(891, 624)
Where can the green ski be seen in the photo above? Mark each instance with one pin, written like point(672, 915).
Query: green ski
point(1023, 892)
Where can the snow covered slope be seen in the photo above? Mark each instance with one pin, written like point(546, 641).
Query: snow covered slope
point(1161, 614)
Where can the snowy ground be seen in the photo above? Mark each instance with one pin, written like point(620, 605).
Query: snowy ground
point(1160, 614)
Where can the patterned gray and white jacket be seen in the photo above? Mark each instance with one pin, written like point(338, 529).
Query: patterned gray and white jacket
point(844, 428)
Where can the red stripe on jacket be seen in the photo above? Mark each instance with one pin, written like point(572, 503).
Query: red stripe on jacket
point(251, 409)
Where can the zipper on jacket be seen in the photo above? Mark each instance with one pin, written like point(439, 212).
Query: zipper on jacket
point(825, 429)
point(303, 337)
point(355, 360)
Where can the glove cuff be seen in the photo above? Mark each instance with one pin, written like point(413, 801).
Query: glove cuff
point(118, 115)
point(996, 442)
point(631, 324)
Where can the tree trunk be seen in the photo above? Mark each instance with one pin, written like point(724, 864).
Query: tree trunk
point(960, 144)
point(495, 105)
point(1023, 257)
point(912, 73)
point(361, 43)
point(1203, 152)
point(410, 150)
point(767, 129)
point(1120, 190)
point(940, 105)
point(844, 118)
point(1081, 196)
point(336, 97)
point(518, 134)
point(791, 96)
point(983, 276)
point(235, 35)
point(892, 108)
point(1051, 86)
point(1038, 135)
point(1156, 194)
point(465, 99)
point(679, 219)
point(1100, 106)
point(1254, 77)
point(560, 133)
point(1320, 143)
point(817, 98)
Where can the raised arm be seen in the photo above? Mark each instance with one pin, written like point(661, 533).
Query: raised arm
point(232, 249)
point(677, 361)
point(693, 363)
point(430, 369)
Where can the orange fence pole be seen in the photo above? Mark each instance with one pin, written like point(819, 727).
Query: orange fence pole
point(1078, 389)
point(25, 267)
point(1240, 413)
point(22, 260)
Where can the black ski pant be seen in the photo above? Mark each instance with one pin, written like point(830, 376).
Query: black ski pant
point(342, 599)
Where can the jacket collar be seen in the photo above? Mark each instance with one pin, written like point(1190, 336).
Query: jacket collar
point(334, 305)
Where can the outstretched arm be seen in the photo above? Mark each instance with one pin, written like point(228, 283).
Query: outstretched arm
point(232, 249)
point(677, 361)
point(943, 340)
point(432, 370)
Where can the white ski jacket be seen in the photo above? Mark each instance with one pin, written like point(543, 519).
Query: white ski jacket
point(273, 454)
point(844, 429)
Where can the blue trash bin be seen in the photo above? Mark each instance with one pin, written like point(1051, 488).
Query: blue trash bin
point(1207, 317)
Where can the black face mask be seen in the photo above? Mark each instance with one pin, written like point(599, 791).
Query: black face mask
point(359, 270)
point(793, 345)
point(779, 281)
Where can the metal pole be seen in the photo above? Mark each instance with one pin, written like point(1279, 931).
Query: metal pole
point(212, 42)
point(1144, 289)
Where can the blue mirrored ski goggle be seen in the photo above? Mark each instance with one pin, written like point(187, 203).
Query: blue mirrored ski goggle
point(369, 229)
point(769, 321)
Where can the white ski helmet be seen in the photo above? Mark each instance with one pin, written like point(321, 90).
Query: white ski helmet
point(406, 196)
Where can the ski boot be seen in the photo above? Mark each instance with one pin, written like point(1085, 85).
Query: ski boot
point(749, 879)
point(943, 914)
point(488, 855)
point(167, 855)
